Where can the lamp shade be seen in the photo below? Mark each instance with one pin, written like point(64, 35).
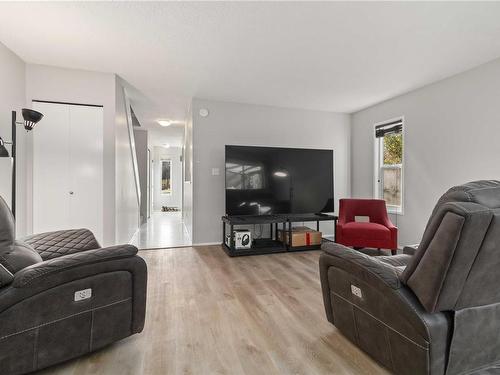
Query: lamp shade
point(3, 151)
point(31, 117)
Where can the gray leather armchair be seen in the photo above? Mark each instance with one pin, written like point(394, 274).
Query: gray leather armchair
point(434, 312)
point(62, 296)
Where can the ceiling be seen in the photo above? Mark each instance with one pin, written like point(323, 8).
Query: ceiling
point(334, 56)
point(173, 136)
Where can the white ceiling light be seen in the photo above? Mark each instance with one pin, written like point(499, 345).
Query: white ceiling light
point(164, 122)
point(166, 145)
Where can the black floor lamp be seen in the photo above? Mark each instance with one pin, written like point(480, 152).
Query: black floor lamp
point(31, 117)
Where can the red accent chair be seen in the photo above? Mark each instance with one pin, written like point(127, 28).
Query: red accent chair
point(379, 232)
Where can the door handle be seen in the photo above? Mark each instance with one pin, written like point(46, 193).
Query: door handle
point(71, 192)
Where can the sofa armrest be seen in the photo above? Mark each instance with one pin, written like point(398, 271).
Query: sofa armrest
point(385, 220)
point(366, 267)
point(410, 249)
point(389, 225)
point(64, 242)
point(33, 274)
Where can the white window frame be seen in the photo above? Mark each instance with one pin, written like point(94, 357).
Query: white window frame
point(378, 163)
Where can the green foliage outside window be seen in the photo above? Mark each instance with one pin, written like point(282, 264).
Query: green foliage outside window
point(393, 148)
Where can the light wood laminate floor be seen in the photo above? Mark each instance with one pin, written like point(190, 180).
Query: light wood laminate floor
point(162, 230)
point(211, 314)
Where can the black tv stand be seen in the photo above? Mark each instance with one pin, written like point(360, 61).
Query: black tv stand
point(322, 214)
point(272, 244)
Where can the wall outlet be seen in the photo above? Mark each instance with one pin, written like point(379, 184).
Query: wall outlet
point(215, 171)
point(356, 291)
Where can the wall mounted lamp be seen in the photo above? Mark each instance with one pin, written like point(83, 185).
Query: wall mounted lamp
point(31, 118)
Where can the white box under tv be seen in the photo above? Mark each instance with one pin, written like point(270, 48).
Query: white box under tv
point(242, 239)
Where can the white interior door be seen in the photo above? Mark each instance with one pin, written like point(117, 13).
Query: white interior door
point(86, 168)
point(51, 169)
point(68, 168)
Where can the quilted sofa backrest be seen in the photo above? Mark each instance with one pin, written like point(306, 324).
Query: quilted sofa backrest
point(453, 266)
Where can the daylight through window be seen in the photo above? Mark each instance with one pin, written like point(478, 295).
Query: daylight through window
point(389, 168)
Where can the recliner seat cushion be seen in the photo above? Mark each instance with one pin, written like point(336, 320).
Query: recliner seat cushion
point(369, 231)
point(400, 260)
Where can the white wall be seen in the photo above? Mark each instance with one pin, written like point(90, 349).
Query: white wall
point(452, 129)
point(81, 87)
point(126, 200)
point(242, 124)
point(175, 198)
point(13, 98)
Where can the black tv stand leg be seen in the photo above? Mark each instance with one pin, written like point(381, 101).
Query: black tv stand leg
point(289, 234)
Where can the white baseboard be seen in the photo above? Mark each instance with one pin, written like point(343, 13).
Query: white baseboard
point(207, 244)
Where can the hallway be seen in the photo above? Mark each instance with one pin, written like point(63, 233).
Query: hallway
point(163, 229)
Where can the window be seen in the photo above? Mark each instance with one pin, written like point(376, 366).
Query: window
point(166, 176)
point(389, 164)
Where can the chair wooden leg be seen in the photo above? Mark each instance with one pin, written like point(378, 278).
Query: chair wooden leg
point(394, 251)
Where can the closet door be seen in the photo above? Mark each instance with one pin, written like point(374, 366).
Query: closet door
point(68, 168)
point(51, 169)
point(86, 168)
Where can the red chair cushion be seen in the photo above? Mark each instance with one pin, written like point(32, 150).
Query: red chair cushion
point(369, 231)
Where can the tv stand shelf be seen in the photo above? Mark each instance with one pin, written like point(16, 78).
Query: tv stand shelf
point(272, 244)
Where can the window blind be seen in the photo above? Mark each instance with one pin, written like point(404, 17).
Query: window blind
point(392, 127)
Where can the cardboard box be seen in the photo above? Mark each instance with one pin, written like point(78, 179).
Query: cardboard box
point(302, 236)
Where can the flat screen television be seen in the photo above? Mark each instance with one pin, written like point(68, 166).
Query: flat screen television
point(273, 180)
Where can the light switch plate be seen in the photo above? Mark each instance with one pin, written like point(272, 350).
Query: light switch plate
point(215, 171)
point(356, 291)
point(83, 294)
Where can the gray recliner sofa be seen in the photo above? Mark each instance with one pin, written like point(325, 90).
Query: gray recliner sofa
point(434, 312)
point(62, 296)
